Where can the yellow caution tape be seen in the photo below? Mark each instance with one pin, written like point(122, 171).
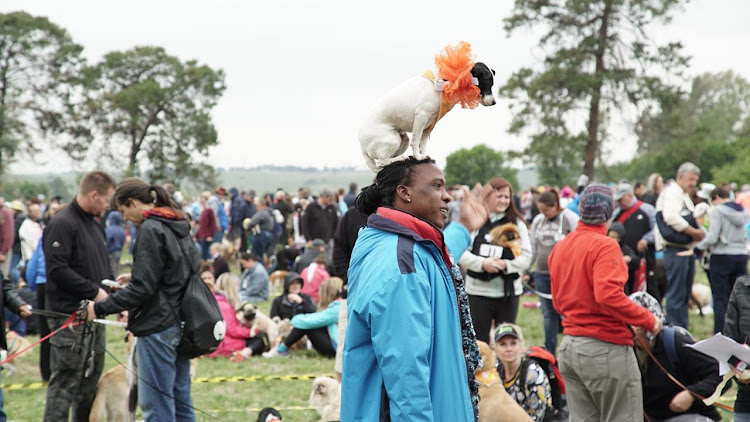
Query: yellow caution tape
point(212, 380)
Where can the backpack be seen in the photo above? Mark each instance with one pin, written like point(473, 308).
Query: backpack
point(548, 363)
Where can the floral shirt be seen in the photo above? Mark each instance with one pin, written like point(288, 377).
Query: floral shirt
point(536, 398)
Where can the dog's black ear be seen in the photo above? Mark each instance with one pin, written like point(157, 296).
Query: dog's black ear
point(493, 71)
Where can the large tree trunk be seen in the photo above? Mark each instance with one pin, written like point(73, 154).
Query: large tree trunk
point(592, 143)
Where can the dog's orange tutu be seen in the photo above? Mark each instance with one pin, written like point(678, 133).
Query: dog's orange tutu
point(454, 65)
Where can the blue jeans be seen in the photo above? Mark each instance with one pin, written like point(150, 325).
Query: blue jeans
point(205, 249)
point(551, 317)
point(218, 236)
point(163, 377)
point(724, 272)
point(261, 241)
point(15, 275)
point(680, 274)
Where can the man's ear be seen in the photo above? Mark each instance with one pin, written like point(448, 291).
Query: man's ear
point(403, 192)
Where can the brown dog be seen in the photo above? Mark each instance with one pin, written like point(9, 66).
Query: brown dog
point(495, 404)
point(276, 280)
point(507, 236)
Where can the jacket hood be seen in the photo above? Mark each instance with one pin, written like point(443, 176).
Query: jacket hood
point(181, 228)
point(292, 277)
point(233, 192)
point(734, 213)
point(618, 228)
point(115, 218)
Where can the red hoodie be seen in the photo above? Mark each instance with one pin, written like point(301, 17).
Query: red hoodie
point(587, 276)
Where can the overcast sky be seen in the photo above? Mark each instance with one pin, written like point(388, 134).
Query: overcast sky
point(301, 75)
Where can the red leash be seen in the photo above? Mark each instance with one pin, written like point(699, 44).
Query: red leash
point(67, 323)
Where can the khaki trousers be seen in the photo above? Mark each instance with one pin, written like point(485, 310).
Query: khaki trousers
point(602, 379)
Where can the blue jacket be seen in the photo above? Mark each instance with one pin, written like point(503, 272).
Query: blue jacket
point(328, 317)
point(403, 346)
point(254, 284)
point(115, 233)
point(35, 268)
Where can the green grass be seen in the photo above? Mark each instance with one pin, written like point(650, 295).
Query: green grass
point(231, 401)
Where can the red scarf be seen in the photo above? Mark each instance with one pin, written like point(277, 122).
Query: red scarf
point(630, 211)
point(163, 212)
point(421, 227)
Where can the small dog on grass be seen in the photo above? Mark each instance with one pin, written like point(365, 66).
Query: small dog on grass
point(250, 316)
point(495, 404)
point(326, 397)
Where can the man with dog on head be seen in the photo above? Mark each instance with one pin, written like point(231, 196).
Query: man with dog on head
point(410, 351)
point(75, 251)
point(587, 277)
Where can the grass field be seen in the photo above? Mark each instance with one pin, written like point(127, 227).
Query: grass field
point(240, 401)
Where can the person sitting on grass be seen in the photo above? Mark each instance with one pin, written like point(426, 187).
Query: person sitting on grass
point(254, 283)
point(292, 301)
point(321, 327)
point(536, 396)
point(314, 274)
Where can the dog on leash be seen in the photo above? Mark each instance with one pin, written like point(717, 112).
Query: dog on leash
point(416, 105)
point(250, 316)
point(326, 397)
point(495, 404)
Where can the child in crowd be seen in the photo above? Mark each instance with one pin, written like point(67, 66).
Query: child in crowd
point(617, 232)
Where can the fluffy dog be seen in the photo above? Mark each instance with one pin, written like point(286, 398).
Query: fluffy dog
point(276, 280)
point(495, 404)
point(701, 298)
point(507, 236)
point(326, 396)
point(250, 316)
point(416, 105)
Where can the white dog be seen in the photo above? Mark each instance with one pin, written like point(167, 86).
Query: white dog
point(417, 104)
point(326, 396)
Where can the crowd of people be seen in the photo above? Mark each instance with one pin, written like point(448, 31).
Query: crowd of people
point(440, 265)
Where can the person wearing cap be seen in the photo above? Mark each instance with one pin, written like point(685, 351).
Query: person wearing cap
point(637, 217)
point(674, 203)
point(587, 277)
point(663, 399)
point(320, 218)
point(254, 279)
point(292, 301)
point(727, 239)
point(536, 397)
point(317, 248)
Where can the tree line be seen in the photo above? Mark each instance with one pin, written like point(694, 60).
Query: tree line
point(599, 63)
point(140, 111)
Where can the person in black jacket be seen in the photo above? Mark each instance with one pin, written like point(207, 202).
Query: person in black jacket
point(662, 398)
point(320, 218)
point(76, 260)
point(164, 259)
point(737, 327)
point(12, 301)
point(292, 302)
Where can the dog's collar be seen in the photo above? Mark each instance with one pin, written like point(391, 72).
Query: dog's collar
point(440, 83)
point(486, 377)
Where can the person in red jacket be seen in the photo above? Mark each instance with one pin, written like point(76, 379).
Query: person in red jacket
point(596, 356)
point(206, 227)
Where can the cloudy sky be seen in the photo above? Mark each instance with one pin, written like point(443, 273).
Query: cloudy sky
point(301, 75)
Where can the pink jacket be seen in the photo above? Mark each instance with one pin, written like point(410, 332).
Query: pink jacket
point(313, 275)
point(234, 339)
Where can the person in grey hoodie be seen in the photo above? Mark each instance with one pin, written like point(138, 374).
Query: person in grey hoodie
point(728, 239)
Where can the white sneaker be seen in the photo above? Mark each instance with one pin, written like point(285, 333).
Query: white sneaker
point(275, 352)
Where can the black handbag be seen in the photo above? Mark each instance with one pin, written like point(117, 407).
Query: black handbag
point(671, 235)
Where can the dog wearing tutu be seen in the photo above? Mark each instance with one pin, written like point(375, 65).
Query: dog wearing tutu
point(416, 105)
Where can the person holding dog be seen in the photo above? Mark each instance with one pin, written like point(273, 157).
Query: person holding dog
point(410, 350)
point(164, 259)
point(587, 278)
point(492, 280)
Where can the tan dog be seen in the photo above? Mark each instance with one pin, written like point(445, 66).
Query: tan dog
point(276, 280)
point(250, 316)
point(507, 236)
point(495, 404)
point(117, 390)
point(326, 396)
